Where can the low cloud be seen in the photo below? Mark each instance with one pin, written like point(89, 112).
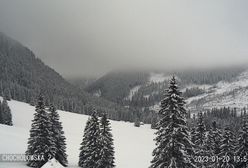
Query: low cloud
point(79, 38)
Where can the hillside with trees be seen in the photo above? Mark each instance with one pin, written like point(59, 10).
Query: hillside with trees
point(23, 76)
point(115, 86)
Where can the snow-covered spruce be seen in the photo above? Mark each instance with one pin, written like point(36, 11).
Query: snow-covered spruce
point(213, 144)
point(40, 142)
point(227, 149)
point(242, 150)
point(90, 150)
point(201, 148)
point(214, 139)
point(174, 148)
point(107, 145)
point(58, 136)
point(200, 135)
point(5, 113)
point(83, 148)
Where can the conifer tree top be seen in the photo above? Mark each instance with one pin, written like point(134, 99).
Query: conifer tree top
point(40, 102)
point(174, 148)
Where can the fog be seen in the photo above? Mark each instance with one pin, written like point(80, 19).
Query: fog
point(89, 38)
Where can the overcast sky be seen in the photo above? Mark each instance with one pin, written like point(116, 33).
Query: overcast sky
point(88, 37)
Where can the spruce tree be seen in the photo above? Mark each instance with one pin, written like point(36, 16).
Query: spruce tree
point(6, 113)
point(58, 136)
point(227, 149)
point(40, 142)
point(201, 149)
point(83, 148)
point(107, 145)
point(242, 150)
point(213, 144)
point(216, 137)
point(173, 146)
point(200, 131)
point(137, 122)
point(90, 150)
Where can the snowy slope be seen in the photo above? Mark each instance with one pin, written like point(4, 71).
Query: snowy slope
point(232, 94)
point(53, 163)
point(223, 94)
point(153, 78)
point(133, 145)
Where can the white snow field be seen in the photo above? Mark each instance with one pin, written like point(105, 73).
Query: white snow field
point(133, 146)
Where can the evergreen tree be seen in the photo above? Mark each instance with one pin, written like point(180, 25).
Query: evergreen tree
point(227, 149)
point(107, 152)
point(6, 113)
point(216, 137)
point(242, 150)
point(213, 144)
point(83, 148)
point(58, 137)
point(137, 122)
point(90, 149)
point(200, 140)
point(200, 131)
point(40, 142)
point(174, 148)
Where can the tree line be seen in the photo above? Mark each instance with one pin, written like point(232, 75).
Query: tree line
point(23, 76)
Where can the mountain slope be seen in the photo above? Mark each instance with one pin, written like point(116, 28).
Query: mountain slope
point(127, 138)
point(23, 77)
point(224, 94)
point(115, 86)
point(121, 85)
point(143, 95)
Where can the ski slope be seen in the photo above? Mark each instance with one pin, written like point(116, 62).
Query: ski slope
point(133, 146)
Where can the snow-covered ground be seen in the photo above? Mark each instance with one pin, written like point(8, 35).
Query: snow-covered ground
point(53, 163)
point(189, 100)
point(133, 146)
point(231, 94)
point(240, 82)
